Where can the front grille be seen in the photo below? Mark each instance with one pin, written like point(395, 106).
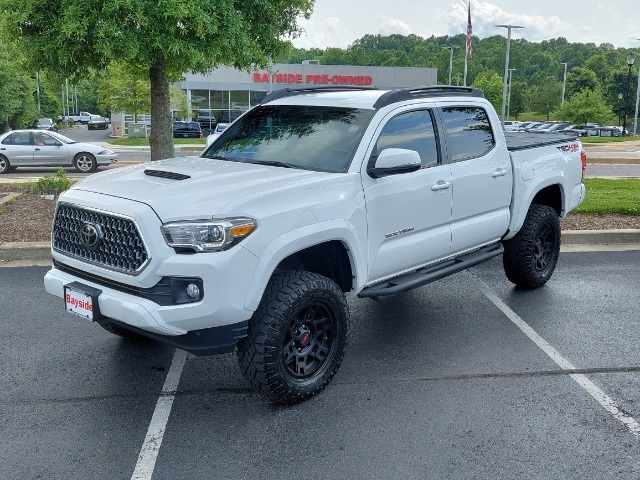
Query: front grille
point(120, 248)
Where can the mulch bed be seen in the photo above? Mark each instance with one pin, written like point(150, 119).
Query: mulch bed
point(28, 218)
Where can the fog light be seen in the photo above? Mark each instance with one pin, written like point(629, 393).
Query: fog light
point(193, 291)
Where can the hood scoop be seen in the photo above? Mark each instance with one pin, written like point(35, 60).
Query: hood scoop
point(165, 174)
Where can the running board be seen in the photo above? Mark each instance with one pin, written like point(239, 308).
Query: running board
point(432, 273)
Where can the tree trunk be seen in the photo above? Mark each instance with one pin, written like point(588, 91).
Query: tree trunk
point(161, 140)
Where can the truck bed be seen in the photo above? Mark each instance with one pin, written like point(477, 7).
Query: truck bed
point(524, 140)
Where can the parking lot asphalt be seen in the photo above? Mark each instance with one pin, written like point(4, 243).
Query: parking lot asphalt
point(467, 377)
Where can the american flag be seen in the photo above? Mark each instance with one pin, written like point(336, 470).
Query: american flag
point(469, 33)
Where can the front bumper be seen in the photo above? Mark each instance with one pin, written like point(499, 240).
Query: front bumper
point(225, 282)
point(106, 159)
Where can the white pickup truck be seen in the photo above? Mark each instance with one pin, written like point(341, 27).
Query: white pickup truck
point(82, 117)
point(313, 196)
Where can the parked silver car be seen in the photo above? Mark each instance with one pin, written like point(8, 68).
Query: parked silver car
point(39, 148)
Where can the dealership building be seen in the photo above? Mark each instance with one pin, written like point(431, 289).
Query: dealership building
point(229, 92)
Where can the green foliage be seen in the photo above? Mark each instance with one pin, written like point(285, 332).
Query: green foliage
point(491, 84)
point(164, 39)
point(545, 97)
point(579, 79)
point(124, 89)
point(611, 196)
point(53, 185)
point(586, 106)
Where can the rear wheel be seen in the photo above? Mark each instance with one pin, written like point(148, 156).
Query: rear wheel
point(530, 257)
point(85, 163)
point(296, 338)
point(5, 166)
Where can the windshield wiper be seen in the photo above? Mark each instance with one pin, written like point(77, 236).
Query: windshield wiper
point(274, 163)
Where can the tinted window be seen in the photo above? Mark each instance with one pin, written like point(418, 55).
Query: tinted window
point(413, 131)
point(17, 138)
point(469, 132)
point(186, 126)
point(307, 137)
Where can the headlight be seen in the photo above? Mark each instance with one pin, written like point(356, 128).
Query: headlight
point(208, 235)
point(106, 152)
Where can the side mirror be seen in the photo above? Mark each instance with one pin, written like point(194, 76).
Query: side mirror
point(394, 161)
point(58, 144)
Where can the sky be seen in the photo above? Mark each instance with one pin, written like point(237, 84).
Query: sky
point(338, 23)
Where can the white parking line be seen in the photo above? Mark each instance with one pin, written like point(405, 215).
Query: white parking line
point(602, 398)
point(152, 442)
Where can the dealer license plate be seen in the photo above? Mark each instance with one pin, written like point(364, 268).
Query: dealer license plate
point(82, 300)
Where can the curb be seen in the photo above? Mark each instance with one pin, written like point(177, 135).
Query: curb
point(12, 251)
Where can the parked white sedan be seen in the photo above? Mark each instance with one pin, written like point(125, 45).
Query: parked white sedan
point(221, 127)
point(38, 148)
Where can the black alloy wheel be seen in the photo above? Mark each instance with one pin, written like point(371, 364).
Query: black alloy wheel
point(310, 340)
point(531, 256)
point(296, 338)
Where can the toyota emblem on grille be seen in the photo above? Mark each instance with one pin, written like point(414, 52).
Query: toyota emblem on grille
point(91, 235)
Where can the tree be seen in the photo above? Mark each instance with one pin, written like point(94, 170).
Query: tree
point(580, 78)
point(491, 85)
point(587, 106)
point(122, 89)
point(16, 101)
point(545, 97)
point(164, 39)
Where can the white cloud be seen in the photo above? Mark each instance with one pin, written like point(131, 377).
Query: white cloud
point(485, 16)
point(328, 31)
point(390, 26)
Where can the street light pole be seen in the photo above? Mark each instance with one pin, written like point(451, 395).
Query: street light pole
point(635, 118)
point(564, 82)
point(630, 59)
point(620, 96)
point(511, 70)
point(451, 48)
point(506, 66)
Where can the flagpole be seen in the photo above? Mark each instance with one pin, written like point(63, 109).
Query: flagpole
point(466, 56)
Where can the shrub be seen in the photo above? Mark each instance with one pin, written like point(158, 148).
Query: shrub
point(53, 185)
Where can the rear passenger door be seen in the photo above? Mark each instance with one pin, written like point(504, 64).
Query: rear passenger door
point(408, 214)
point(17, 147)
point(481, 176)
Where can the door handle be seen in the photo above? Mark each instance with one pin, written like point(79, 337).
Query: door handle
point(37, 149)
point(440, 186)
point(500, 172)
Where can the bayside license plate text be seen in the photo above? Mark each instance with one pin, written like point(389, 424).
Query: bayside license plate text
point(78, 302)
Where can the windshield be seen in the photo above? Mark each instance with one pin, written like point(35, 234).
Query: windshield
point(62, 138)
point(307, 137)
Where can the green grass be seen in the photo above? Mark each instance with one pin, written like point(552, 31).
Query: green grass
point(144, 142)
point(611, 196)
point(607, 139)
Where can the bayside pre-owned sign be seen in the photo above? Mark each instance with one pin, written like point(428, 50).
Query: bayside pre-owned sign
point(308, 79)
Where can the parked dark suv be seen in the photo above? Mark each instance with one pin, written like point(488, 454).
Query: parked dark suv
point(187, 130)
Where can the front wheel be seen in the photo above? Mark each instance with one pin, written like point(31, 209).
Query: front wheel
point(85, 163)
point(530, 257)
point(296, 338)
point(5, 166)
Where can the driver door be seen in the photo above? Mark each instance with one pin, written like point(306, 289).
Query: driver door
point(48, 150)
point(408, 214)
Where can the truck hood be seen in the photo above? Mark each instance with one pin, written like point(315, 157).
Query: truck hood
point(192, 187)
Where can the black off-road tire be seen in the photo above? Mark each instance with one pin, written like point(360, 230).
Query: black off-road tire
point(531, 256)
point(296, 338)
